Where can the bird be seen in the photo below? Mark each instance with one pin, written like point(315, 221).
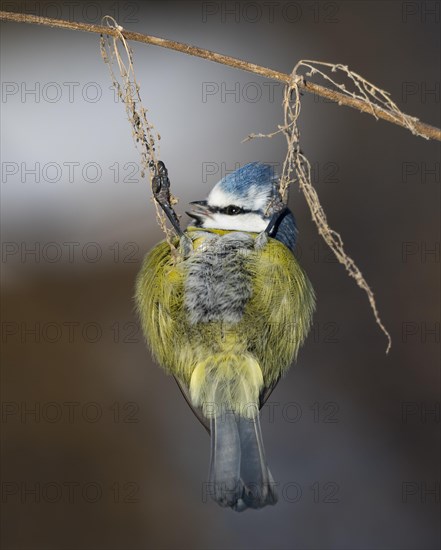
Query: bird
point(227, 320)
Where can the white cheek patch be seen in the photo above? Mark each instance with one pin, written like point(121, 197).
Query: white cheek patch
point(260, 200)
point(219, 198)
point(242, 222)
point(255, 199)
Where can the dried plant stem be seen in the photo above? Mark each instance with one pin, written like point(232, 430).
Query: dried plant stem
point(297, 168)
point(144, 133)
point(419, 128)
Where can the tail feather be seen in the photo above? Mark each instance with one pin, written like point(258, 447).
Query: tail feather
point(239, 475)
point(254, 470)
point(226, 486)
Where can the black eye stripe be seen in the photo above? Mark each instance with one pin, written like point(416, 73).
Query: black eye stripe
point(230, 210)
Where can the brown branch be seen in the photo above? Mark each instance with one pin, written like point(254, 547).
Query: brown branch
point(425, 130)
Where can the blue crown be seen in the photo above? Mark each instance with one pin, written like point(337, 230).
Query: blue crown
point(252, 174)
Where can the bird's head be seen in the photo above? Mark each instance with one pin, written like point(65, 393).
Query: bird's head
point(239, 201)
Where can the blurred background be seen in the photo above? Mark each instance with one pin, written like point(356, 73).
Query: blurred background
point(100, 451)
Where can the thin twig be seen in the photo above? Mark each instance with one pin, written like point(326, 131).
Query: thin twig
point(425, 130)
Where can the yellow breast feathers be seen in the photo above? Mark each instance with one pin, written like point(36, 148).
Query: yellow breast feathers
point(228, 319)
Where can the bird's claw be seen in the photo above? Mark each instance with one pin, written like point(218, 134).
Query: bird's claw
point(161, 193)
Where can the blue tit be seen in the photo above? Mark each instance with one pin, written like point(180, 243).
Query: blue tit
point(227, 320)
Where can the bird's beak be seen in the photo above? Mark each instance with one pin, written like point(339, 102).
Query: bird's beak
point(201, 210)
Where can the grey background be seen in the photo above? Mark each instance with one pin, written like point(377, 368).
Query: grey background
point(349, 434)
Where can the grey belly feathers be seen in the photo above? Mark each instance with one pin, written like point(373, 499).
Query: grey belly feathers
point(218, 284)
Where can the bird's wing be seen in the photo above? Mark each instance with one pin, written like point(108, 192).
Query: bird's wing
point(196, 410)
point(266, 392)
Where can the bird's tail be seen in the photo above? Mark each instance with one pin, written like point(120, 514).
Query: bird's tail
point(227, 389)
point(239, 475)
